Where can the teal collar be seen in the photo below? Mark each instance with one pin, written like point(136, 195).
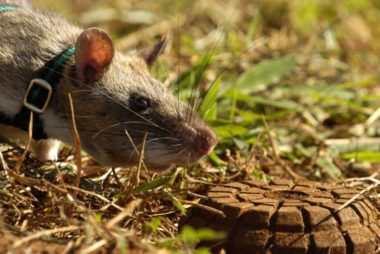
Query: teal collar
point(6, 7)
point(40, 92)
point(41, 88)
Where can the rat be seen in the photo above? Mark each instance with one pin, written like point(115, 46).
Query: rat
point(119, 107)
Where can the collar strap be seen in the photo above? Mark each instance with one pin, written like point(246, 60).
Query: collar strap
point(38, 95)
point(40, 90)
point(6, 7)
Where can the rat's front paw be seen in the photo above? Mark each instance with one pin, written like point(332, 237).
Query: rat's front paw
point(45, 149)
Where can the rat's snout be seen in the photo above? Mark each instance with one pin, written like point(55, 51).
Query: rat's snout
point(199, 139)
point(205, 141)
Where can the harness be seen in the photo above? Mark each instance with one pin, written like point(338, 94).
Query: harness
point(39, 91)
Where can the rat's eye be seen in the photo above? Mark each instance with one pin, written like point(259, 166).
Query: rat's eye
point(139, 104)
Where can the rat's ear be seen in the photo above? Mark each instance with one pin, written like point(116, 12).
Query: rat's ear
point(94, 53)
point(151, 54)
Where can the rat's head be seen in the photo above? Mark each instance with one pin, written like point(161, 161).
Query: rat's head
point(121, 109)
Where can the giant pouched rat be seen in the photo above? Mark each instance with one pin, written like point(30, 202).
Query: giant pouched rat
point(114, 97)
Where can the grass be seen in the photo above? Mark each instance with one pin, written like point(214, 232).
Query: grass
point(291, 88)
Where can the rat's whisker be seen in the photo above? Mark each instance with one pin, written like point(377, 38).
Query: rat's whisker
point(162, 139)
point(116, 125)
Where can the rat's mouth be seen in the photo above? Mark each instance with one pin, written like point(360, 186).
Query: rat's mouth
point(163, 161)
point(194, 144)
point(186, 159)
point(168, 161)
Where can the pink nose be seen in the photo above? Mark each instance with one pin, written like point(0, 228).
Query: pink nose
point(206, 141)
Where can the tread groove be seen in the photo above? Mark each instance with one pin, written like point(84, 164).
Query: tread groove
point(287, 216)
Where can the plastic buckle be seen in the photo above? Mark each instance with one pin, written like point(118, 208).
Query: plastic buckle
point(42, 84)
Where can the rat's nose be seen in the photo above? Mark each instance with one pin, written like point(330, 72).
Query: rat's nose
point(206, 141)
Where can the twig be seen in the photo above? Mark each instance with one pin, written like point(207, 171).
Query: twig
point(126, 212)
point(78, 154)
point(92, 248)
point(373, 118)
point(196, 195)
point(113, 171)
point(30, 136)
point(251, 161)
point(26, 180)
point(141, 160)
point(193, 180)
point(276, 153)
point(376, 174)
point(362, 179)
point(353, 140)
point(42, 233)
point(208, 208)
point(358, 194)
point(95, 195)
point(134, 145)
point(4, 165)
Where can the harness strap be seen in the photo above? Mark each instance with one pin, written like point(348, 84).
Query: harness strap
point(5, 7)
